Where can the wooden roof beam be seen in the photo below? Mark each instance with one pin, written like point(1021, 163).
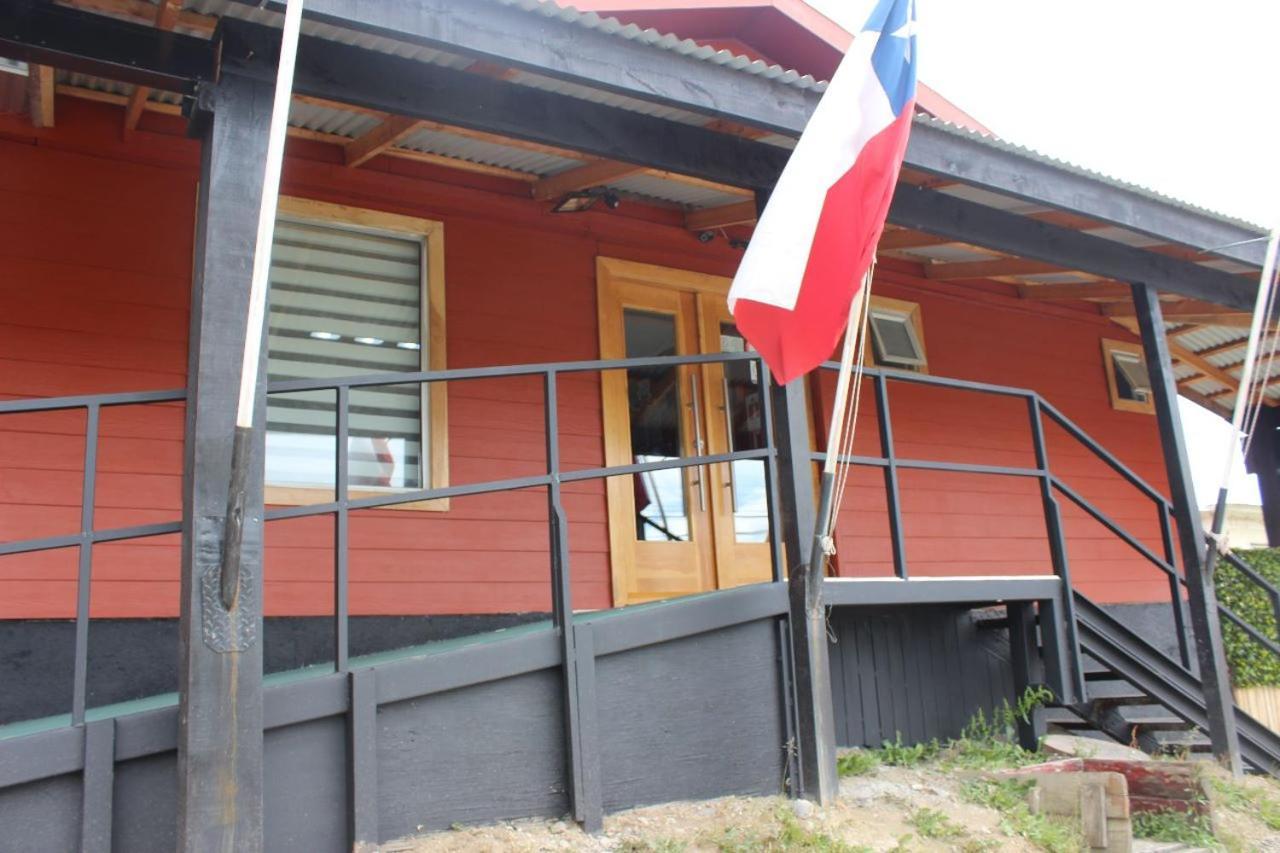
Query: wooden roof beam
point(378, 139)
point(1206, 368)
point(738, 213)
point(143, 12)
point(1190, 311)
point(988, 269)
point(593, 174)
point(1111, 291)
point(908, 238)
point(40, 90)
point(166, 17)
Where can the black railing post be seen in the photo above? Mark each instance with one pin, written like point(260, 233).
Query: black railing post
point(341, 532)
point(587, 804)
point(84, 571)
point(1175, 586)
point(1219, 704)
point(815, 727)
point(220, 651)
point(1057, 548)
point(893, 500)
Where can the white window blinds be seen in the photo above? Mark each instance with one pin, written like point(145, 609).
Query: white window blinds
point(345, 302)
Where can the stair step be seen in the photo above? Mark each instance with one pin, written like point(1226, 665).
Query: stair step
point(1116, 692)
point(1064, 718)
point(1193, 743)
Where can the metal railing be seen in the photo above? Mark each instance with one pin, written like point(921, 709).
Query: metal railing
point(1051, 484)
point(554, 476)
point(343, 503)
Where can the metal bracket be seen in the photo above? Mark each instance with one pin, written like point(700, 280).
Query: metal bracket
point(223, 630)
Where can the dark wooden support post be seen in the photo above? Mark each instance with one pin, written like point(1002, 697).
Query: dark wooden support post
point(220, 710)
point(1028, 669)
point(1264, 460)
point(811, 671)
point(1218, 700)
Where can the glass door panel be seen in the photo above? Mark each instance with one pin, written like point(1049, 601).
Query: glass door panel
point(739, 506)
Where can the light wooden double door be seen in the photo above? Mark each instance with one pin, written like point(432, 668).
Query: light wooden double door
point(679, 531)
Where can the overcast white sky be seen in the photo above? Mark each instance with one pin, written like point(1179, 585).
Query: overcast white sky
point(1182, 96)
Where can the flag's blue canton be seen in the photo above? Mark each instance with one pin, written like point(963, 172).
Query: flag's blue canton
point(895, 53)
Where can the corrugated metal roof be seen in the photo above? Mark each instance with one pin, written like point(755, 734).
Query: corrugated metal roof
point(1074, 168)
point(692, 195)
point(489, 153)
point(668, 41)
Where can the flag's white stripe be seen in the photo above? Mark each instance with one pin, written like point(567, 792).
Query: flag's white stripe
point(854, 109)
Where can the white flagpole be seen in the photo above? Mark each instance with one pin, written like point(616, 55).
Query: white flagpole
point(1261, 308)
point(824, 522)
point(234, 532)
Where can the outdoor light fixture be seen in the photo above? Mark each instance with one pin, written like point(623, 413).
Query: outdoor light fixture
point(576, 202)
point(326, 336)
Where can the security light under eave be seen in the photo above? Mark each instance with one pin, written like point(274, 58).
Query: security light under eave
point(580, 200)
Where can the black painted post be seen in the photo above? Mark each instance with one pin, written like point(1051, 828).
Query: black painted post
point(220, 666)
point(811, 670)
point(1028, 670)
point(1264, 460)
point(1218, 700)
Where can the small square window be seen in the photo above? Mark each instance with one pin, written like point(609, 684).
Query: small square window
point(897, 339)
point(1128, 380)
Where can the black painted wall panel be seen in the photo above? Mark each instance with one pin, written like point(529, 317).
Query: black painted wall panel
point(145, 804)
point(692, 719)
point(475, 755)
point(42, 815)
point(919, 671)
point(305, 787)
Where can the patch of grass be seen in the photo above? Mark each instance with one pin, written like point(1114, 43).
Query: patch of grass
point(1179, 827)
point(660, 845)
point(931, 823)
point(859, 762)
point(1009, 797)
point(790, 836)
point(1247, 800)
point(897, 754)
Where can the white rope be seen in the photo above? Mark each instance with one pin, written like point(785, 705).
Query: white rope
point(843, 443)
point(1263, 376)
point(844, 468)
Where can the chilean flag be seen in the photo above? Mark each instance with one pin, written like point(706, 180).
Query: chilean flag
point(817, 236)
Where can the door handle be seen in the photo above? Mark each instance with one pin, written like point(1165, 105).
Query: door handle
point(728, 438)
point(698, 445)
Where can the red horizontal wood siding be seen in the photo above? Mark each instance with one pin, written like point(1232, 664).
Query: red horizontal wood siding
point(95, 264)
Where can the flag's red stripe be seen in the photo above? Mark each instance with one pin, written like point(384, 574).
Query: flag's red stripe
point(853, 214)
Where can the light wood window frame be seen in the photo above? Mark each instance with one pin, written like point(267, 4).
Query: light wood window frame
point(1109, 347)
point(914, 315)
point(436, 397)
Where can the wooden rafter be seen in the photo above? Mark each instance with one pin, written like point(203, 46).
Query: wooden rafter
point(1111, 291)
point(738, 213)
point(40, 91)
point(593, 174)
point(988, 269)
point(1199, 363)
point(143, 12)
point(907, 238)
point(166, 17)
point(1189, 311)
point(378, 139)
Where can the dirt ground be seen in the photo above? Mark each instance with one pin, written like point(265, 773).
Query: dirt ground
point(880, 811)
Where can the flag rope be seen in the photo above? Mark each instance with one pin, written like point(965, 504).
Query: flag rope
point(843, 466)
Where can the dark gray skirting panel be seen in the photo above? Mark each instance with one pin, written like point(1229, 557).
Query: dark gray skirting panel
point(919, 671)
point(685, 701)
point(692, 719)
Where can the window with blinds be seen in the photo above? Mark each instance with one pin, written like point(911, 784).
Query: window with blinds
point(346, 302)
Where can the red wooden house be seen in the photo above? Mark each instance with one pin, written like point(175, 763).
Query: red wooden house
point(533, 213)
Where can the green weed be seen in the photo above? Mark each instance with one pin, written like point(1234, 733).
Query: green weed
point(931, 823)
point(1246, 800)
point(859, 762)
point(1009, 797)
point(790, 836)
point(1180, 827)
point(897, 754)
point(660, 845)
